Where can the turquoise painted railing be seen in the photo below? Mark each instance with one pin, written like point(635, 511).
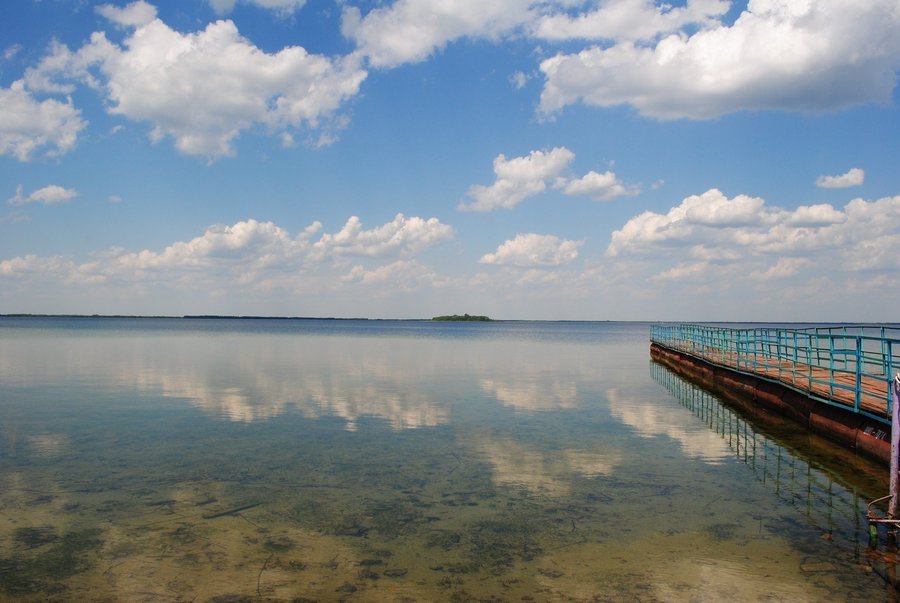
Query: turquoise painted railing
point(847, 366)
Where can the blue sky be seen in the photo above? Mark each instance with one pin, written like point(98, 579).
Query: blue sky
point(562, 159)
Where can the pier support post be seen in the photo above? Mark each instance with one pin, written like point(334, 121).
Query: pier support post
point(895, 450)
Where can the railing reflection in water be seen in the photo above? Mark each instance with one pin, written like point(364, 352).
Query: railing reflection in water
point(830, 505)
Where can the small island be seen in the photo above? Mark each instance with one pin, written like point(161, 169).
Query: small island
point(463, 318)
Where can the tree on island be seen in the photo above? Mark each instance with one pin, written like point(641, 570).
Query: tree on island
point(463, 318)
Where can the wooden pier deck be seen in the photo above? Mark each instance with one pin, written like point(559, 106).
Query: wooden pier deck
point(840, 387)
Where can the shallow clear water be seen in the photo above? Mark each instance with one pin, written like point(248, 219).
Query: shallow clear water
point(228, 460)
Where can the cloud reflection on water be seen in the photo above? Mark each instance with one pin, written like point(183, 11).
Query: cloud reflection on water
point(544, 471)
point(49, 445)
point(408, 382)
point(527, 394)
point(246, 378)
point(652, 418)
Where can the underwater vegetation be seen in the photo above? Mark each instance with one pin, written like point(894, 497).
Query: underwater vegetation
point(42, 558)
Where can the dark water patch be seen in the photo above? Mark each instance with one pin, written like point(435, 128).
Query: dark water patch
point(279, 544)
point(31, 538)
point(723, 531)
point(229, 598)
point(395, 572)
point(371, 562)
point(41, 566)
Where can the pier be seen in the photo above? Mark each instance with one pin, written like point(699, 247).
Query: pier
point(836, 380)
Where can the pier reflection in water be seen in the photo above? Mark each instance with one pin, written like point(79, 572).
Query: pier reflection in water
point(832, 496)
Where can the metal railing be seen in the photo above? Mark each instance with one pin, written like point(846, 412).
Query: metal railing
point(850, 366)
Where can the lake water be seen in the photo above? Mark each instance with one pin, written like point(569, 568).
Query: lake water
point(303, 460)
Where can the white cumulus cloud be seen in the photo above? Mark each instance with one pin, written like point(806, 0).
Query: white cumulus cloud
point(745, 231)
point(47, 195)
point(407, 275)
point(709, 218)
point(688, 271)
point(782, 268)
point(28, 266)
point(241, 252)
point(408, 31)
point(529, 175)
point(203, 89)
point(602, 187)
point(518, 178)
point(411, 30)
point(29, 126)
point(816, 215)
point(519, 79)
point(697, 220)
point(133, 15)
point(404, 236)
point(249, 254)
point(779, 54)
point(880, 253)
point(282, 7)
point(534, 250)
point(628, 20)
point(10, 51)
point(854, 177)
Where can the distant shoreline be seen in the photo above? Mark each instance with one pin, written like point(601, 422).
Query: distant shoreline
point(188, 317)
point(256, 317)
point(496, 320)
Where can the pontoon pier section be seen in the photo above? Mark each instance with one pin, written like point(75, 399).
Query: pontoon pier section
point(839, 381)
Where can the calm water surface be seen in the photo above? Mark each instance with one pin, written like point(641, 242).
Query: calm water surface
point(246, 460)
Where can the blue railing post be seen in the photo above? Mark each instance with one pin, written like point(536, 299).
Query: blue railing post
point(725, 344)
point(831, 365)
point(778, 335)
point(859, 371)
point(889, 370)
point(794, 367)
